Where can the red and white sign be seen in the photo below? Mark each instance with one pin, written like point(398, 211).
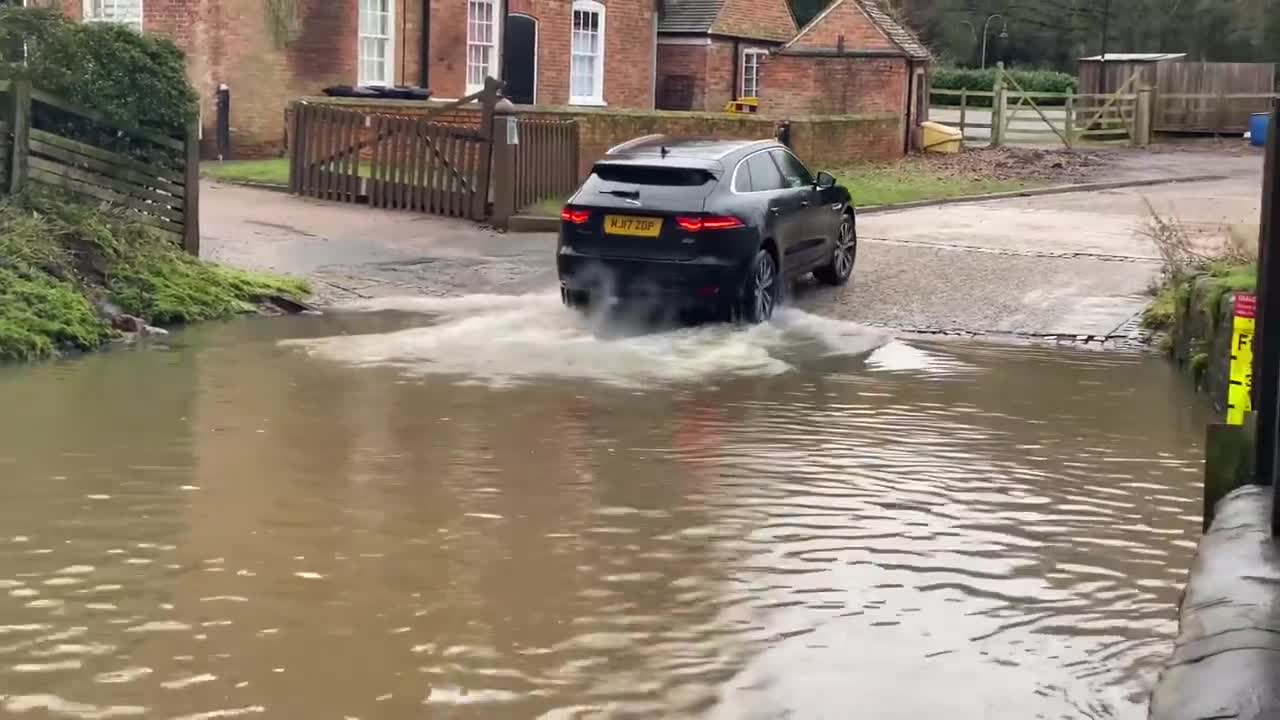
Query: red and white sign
point(1246, 305)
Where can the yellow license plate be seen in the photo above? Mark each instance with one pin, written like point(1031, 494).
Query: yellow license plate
point(631, 225)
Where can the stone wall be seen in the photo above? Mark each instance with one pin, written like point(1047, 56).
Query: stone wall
point(1202, 339)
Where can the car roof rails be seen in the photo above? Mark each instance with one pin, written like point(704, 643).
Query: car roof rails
point(633, 143)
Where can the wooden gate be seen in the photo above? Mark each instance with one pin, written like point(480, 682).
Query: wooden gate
point(1008, 114)
point(437, 162)
point(546, 160)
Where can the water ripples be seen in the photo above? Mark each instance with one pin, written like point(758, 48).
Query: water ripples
point(885, 528)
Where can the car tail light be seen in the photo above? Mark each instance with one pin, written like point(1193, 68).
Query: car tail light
point(699, 223)
point(575, 216)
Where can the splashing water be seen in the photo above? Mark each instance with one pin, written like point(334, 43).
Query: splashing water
point(499, 340)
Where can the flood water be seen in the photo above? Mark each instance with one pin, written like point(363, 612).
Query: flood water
point(486, 508)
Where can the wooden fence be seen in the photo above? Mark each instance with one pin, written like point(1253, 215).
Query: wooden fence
point(545, 162)
point(395, 161)
point(1211, 97)
point(54, 143)
point(1009, 114)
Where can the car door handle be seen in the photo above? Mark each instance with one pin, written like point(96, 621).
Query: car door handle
point(804, 203)
point(774, 210)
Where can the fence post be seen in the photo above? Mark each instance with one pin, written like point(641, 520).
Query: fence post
point(21, 90)
point(964, 105)
point(489, 100)
point(1069, 128)
point(505, 128)
point(999, 107)
point(1142, 119)
point(191, 192)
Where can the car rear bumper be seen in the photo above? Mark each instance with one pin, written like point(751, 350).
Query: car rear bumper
point(697, 280)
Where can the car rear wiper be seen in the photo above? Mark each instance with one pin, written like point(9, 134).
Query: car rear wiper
point(633, 194)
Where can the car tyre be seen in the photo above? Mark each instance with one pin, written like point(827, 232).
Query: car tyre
point(760, 291)
point(843, 255)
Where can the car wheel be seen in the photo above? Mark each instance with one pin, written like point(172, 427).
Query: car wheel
point(760, 292)
point(843, 255)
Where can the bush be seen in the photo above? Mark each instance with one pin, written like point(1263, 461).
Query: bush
point(134, 80)
point(1047, 81)
point(65, 265)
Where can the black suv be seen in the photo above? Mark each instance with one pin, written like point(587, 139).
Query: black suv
point(714, 225)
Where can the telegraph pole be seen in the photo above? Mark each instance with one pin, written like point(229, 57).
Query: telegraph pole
point(1266, 369)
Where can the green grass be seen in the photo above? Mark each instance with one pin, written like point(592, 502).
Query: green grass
point(550, 207)
point(1214, 282)
point(265, 172)
point(60, 261)
point(891, 184)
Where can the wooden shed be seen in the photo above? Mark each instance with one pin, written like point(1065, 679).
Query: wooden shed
point(1102, 74)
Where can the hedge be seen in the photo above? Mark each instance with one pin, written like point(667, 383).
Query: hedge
point(983, 80)
point(132, 79)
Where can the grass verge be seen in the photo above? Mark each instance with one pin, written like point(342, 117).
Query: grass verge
point(905, 182)
point(274, 171)
point(549, 207)
point(66, 267)
point(1212, 283)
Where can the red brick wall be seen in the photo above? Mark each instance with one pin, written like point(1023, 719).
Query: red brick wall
point(845, 19)
point(712, 67)
point(808, 85)
point(628, 50)
point(720, 74)
point(689, 63)
point(824, 142)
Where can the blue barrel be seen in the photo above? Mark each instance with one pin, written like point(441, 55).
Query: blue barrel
point(1259, 123)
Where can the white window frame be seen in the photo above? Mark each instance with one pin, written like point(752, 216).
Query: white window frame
point(389, 60)
point(91, 16)
point(596, 97)
point(759, 54)
point(495, 45)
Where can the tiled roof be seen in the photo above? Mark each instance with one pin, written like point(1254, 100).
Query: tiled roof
point(900, 36)
point(688, 16)
point(767, 20)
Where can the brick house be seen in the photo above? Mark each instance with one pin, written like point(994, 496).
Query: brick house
point(852, 58)
point(268, 52)
point(589, 53)
point(711, 52)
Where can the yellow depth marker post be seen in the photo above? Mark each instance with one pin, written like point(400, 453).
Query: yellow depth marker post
point(1240, 391)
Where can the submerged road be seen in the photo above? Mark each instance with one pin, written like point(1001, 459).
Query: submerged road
point(1060, 265)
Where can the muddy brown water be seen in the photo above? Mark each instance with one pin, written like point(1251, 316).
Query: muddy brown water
point(483, 508)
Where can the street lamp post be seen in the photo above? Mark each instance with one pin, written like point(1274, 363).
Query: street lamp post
point(1004, 33)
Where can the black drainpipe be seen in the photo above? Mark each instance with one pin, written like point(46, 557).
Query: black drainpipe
point(424, 47)
point(737, 66)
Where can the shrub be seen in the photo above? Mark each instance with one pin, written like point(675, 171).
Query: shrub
point(131, 79)
point(1047, 81)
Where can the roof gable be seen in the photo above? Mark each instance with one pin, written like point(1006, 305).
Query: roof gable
point(864, 25)
point(751, 19)
point(756, 19)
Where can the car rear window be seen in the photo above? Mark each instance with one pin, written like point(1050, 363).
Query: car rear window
point(649, 175)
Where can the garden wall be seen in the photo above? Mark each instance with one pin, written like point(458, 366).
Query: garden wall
point(823, 142)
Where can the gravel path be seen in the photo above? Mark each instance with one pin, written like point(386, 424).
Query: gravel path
point(1066, 265)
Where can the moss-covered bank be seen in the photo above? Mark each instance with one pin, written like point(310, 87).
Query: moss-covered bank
point(1194, 311)
point(67, 270)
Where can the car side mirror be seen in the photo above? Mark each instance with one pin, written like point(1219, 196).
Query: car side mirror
point(824, 181)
